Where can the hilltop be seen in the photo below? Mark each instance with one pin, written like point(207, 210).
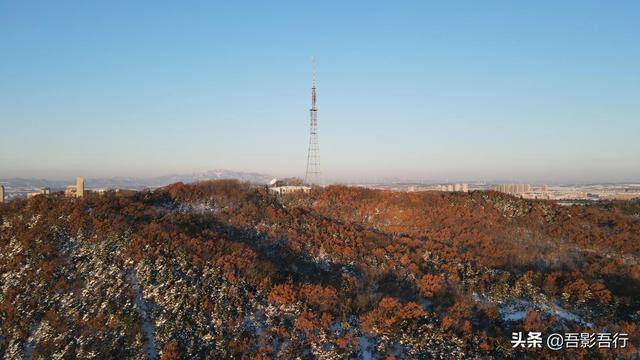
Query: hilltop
point(224, 269)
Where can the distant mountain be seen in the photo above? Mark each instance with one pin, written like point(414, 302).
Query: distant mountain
point(138, 183)
point(218, 174)
point(33, 183)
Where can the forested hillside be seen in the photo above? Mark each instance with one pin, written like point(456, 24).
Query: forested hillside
point(224, 269)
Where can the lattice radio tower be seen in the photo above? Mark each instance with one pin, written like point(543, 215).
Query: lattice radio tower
point(312, 176)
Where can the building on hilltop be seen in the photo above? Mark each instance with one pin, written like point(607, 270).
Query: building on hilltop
point(288, 186)
point(1, 194)
point(289, 189)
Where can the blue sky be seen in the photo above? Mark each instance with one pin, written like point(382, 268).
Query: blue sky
point(523, 91)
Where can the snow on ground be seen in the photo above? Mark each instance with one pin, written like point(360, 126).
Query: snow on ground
point(516, 310)
point(147, 328)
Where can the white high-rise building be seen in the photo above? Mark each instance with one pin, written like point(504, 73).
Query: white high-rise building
point(79, 186)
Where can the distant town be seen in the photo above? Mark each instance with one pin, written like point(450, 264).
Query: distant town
point(564, 193)
point(560, 192)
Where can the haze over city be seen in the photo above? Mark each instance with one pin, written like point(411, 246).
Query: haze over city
point(541, 91)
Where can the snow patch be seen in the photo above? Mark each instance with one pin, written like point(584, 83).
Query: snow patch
point(517, 310)
point(147, 328)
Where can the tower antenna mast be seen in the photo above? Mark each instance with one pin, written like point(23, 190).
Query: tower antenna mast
point(312, 175)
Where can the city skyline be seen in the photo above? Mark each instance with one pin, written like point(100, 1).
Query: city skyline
point(539, 92)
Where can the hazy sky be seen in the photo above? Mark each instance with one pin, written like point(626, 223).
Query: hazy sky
point(512, 90)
